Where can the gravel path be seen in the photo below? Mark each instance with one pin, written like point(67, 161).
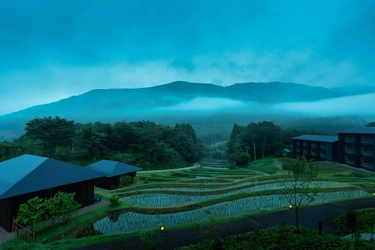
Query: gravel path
point(6, 236)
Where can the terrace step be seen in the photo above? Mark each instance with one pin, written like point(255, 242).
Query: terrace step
point(365, 236)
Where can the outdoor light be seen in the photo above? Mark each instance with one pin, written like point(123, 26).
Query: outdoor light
point(162, 227)
point(290, 206)
point(374, 194)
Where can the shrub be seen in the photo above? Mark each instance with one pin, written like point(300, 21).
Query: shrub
point(150, 240)
point(125, 180)
point(146, 181)
point(135, 179)
point(114, 201)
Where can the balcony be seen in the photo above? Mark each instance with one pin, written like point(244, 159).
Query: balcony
point(350, 162)
point(349, 150)
point(349, 139)
point(367, 141)
point(368, 166)
point(367, 153)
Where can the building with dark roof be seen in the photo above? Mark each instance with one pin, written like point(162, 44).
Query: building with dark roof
point(24, 177)
point(112, 171)
point(357, 147)
point(316, 147)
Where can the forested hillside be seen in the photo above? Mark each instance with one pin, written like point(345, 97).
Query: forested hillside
point(145, 144)
point(207, 107)
point(258, 140)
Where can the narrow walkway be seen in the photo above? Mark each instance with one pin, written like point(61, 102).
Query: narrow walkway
point(166, 170)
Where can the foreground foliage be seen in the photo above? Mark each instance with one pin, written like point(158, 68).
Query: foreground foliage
point(281, 237)
point(357, 221)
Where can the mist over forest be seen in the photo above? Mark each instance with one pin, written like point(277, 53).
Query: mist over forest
point(211, 109)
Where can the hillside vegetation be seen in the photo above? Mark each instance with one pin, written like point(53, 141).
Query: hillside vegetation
point(202, 105)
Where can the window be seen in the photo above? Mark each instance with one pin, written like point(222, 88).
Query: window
point(368, 160)
point(368, 148)
point(368, 136)
point(351, 157)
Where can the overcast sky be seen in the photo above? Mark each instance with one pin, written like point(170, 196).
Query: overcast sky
point(50, 50)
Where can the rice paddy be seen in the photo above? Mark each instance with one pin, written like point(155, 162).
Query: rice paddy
point(176, 198)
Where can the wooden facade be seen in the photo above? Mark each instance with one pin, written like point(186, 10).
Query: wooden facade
point(111, 173)
point(112, 182)
point(357, 149)
point(316, 147)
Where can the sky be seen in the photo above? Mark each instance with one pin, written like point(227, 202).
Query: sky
point(50, 50)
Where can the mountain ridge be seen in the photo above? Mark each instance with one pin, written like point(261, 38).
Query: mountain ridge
point(162, 102)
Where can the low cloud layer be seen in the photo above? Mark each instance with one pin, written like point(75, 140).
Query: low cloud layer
point(360, 105)
point(208, 104)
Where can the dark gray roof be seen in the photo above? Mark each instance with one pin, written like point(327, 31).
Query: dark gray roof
point(112, 168)
point(29, 173)
point(360, 130)
point(321, 138)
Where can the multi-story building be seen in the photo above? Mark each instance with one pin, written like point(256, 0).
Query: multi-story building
point(357, 147)
point(316, 147)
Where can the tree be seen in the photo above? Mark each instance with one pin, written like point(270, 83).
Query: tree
point(36, 210)
point(269, 136)
point(31, 213)
point(53, 132)
point(371, 124)
point(238, 150)
point(63, 206)
point(88, 137)
point(300, 185)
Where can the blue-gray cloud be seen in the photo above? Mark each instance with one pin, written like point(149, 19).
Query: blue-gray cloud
point(67, 47)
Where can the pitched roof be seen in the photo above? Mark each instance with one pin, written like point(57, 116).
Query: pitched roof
point(320, 138)
point(360, 130)
point(29, 173)
point(112, 168)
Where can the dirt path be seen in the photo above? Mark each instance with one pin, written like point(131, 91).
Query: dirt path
point(166, 170)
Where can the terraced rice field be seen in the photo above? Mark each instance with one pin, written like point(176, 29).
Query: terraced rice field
point(179, 197)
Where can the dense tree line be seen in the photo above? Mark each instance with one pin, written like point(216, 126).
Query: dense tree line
point(145, 144)
point(258, 140)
